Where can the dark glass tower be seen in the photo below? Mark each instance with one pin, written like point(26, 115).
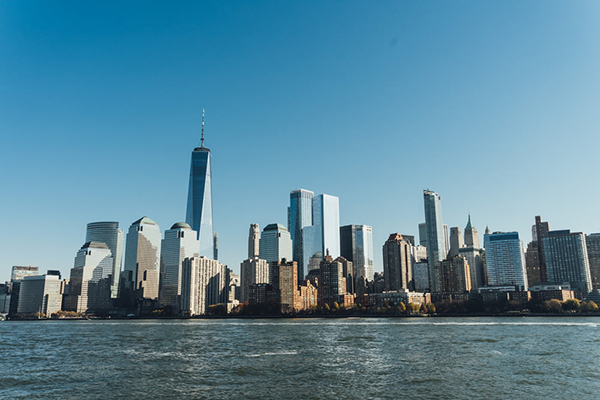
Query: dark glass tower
point(199, 205)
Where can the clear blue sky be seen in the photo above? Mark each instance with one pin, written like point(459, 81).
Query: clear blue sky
point(492, 104)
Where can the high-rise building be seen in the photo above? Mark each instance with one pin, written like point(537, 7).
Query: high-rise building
point(593, 248)
point(324, 234)
point(540, 231)
point(474, 257)
point(532, 264)
point(199, 205)
point(436, 242)
point(109, 233)
point(39, 294)
point(446, 240)
point(204, 283)
point(471, 235)
point(21, 271)
point(275, 243)
point(142, 260)
point(332, 283)
point(423, 234)
point(566, 259)
point(356, 245)
point(397, 265)
point(216, 245)
point(300, 214)
point(456, 242)
point(505, 261)
point(421, 276)
point(284, 279)
point(90, 284)
point(456, 276)
point(253, 270)
point(180, 242)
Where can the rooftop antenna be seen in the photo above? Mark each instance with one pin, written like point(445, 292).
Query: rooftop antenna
point(202, 138)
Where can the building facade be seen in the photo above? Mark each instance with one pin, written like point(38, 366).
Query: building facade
point(397, 263)
point(324, 234)
point(505, 260)
point(180, 242)
point(300, 215)
point(204, 283)
point(108, 232)
point(456, 275)
point(275, 243)
point(436, 242)
point(566, 258)
point(40, 294)
point(356, 245)
point(592, 242)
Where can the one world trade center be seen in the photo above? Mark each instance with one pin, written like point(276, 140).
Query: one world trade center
point(199, 205)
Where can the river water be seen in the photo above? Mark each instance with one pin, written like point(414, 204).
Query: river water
point(388, 358)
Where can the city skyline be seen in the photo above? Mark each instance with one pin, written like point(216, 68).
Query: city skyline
point(444, 85)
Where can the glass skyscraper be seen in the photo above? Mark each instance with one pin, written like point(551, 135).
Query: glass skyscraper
point(436, 242)
point(142, 258)
point(199, 205)
point(109, 234)
point(300, 214)
point(356, 245)
point(324, 235)
point(505, 260)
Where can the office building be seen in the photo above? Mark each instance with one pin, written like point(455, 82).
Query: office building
point(199, 214)
point(142, 260)
point(456, 242)
point(284, 277)
point(593, 249)
point(332, 284)
point(109, 233)
point(421, 276)
point(474, 257)
point(252, 270)
point(456, 275)
point(39, 294)
point(539, 232)
point(90, 282)
point(324, 235)
point(423, 234)
point(300, 215)
point(180, 242)
point(436, 241)
point(356, 245)
point(204, 283)
point(275, 243)
point(397, 263)
point(21, 271)
point(566, 258)
point(505, 261)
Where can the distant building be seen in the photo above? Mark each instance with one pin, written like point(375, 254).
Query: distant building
point(397, 265)
point(532, 264)
point(332, 283)
point(21, 271)
point(180, 242)
point(471, 235)
point(505, 261)
point(252, 270)
point(423, 234)
point(456, 275)
point(456, 242)
point(40, 294)
point(142, 260)
point(275, 243)
point(108, 232)
point(348, 273)
point(474, 257)
point(324, 234)
point(356, 245)
point(90, 286)
point(421, 276)
point(540, 231)
point(300, 215)
point(436, 237)
point(199, 215)
point(566, 259)
point(593, 249)
point(204, 283)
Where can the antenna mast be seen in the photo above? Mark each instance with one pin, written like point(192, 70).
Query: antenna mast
point(202, 138)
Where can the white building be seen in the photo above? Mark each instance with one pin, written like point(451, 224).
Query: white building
point(180, 242)
point(505, 260)
point(108, 232)
point(90, 281)
point(275, 243)
point(40, 294)
point(142, 258)
point(204, 283)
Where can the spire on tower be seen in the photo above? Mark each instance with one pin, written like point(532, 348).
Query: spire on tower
point(202, 138)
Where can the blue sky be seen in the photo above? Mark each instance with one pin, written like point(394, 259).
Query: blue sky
point(494, 105)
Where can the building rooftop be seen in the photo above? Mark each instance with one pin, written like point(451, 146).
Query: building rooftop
point(181, 225)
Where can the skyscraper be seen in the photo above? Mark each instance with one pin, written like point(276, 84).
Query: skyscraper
point(566, 258)
point(275, 243)
point(109, 233)
point(456, 242)
point(199, 205)
point(593, 248)
point(90, 285)
point(180, 242)
point(474, 255)
point(300, 214)
point(204, 283)
point(471, 235)
point(456, 276)
point(324, 234)
point(356, 245)
point(253, 270)
point(541, 230)
point(423, 234)
point(397, 263)
point(142, 259)
point(505, 261)
point(40, 294)
point(436, 243)
point(332, 283)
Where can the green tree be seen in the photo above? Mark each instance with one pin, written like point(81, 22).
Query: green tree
point(591, 306)
point(336, 306)
point(431, 308)
point(553, 306)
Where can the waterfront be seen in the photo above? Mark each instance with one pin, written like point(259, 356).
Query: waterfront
point(444, 358)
